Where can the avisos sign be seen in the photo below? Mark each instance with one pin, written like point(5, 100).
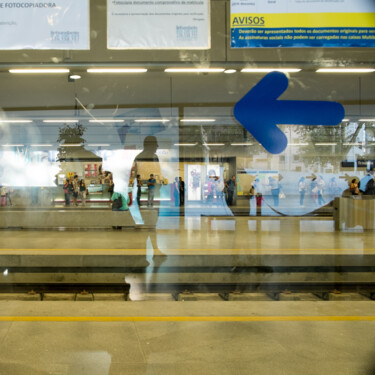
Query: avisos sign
point(302, 23)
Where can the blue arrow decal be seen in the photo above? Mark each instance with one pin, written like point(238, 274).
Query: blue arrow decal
point(259, 112)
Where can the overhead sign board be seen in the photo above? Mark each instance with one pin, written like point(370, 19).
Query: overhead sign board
point(302, 23)
point(158, 24)
point(53, 24)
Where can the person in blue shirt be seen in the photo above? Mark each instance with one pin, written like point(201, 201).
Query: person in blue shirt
point(151, 182)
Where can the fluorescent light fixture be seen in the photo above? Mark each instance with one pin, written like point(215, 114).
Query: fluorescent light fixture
point(214, 144)
point(352, 144)
point(194, 70)
point(345, 70)
point(267, 70)
point(367, 119)
point(326, 144)
point(345, 120)
point(152, 120)
point(44, 145)
point(15, 121)
point(298, 144)
point(116, 70)
point(98, 145)
point(75, 76)
point(230, 71)
point(197, 120)
point(61, 121)
point(38, 71)
point(70, 145)
point(185, 144)
point(12, 145)
point(241, 144)
point(106, 120)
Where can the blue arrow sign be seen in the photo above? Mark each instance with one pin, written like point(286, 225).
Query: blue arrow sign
point(259, 112)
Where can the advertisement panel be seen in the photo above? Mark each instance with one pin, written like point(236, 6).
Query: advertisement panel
point(302, 23)
point(58, 24)
point(158, 24)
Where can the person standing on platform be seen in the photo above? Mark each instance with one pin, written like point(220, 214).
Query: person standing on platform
point(231, 185)
point(75, 190)
point(182, 191)
point(151, 182)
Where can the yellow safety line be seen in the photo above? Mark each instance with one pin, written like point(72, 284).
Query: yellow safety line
point(185, 318)
point(258, 250)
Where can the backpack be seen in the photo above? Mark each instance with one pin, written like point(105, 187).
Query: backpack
point(117, 203)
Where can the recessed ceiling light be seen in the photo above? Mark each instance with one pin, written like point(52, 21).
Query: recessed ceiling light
point(70, 145)
point(367, 119)
point(298, 144)
point(352, 144)
point(213, 144)
point(107, 120)
point(16, 121)
point(61, 121)
point(152, 120)
point(38, 71)
point(75, 76)
point(98, 144)
point(41, 145)
point(326, 144)
point(345, 120)
point(345, 70)
point(197, 120)
point(241, 144)
point(116, 70)
point(12, 145)
point(185, 144)
point(268, 70)
point(194, 70)
point(230, 71)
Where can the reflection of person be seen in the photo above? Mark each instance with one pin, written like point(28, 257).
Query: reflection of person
point(320, 185)
point(151, 182)
point(275, 190)
point(139, 190)
point(182, 191)
point(252, 195)
point(314, 190)
point(176, 192)
point(231, 185)
point(67, 192)
point(149, 159)
point(301, 190)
